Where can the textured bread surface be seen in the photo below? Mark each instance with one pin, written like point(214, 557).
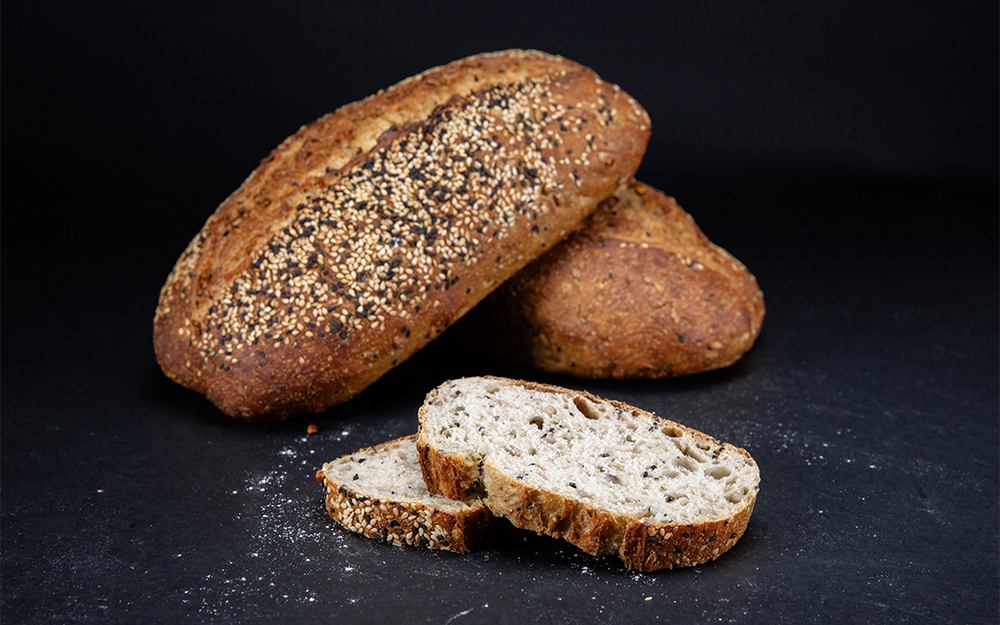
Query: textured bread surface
point(604, 475)
point(367, 233)
point(638, 291)
point(379, 492)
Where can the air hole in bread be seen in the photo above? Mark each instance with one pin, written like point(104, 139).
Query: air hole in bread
point(687, 450)
point(685, 463)
point(585, 408)
point(672, 431)
point(719, 472)
point(537, 421)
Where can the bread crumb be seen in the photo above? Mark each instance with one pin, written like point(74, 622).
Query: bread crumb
point(312, 429)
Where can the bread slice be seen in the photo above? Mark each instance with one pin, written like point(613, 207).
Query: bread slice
point(604, 475)
point(379, 492)
point(370, 231)
point(637, 291)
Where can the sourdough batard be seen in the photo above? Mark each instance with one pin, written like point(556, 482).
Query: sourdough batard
point(379, 492)
point(637, 291)
point(604, 475)
point(369, 232)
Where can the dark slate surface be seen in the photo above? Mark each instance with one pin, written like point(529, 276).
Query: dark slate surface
point(870, 401)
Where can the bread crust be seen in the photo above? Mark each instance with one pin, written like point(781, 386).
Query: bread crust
point(596, 531)
point(448, 474)
point(648, 546)
point(404, 522)
point(367, 233)
point(638, 291)
point(641, 544)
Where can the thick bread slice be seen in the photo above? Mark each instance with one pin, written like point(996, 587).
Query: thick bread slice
point(367, 233)
point(638, 291)
point(604, 475)
point(379, 492)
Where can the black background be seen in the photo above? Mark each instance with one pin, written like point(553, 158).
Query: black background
point(847, 153)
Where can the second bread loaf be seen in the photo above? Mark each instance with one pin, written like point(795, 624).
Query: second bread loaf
point(638, 291)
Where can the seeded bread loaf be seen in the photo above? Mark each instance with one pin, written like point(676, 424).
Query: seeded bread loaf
point(638, 291)
point(367, 233)
point(379, 492)
point(601, 474)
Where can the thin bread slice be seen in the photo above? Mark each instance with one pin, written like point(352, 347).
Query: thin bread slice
point(379, 492)
point(604, 475)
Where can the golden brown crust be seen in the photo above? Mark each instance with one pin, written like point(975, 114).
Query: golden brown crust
point(641, 544)
point(649, 546)
point(404, 522)
point(637, 291)
point(591, 529)
point(448, 475)
point(342, 254)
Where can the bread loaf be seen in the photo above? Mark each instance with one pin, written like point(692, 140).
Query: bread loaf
point(638, 291)
point(368, 232)
point(379, 492)
point(606, 476)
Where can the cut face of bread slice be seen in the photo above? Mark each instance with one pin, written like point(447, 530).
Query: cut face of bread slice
point(606, 476)
point(379, 492)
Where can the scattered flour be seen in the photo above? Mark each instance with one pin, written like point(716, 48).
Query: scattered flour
point(281, 521)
